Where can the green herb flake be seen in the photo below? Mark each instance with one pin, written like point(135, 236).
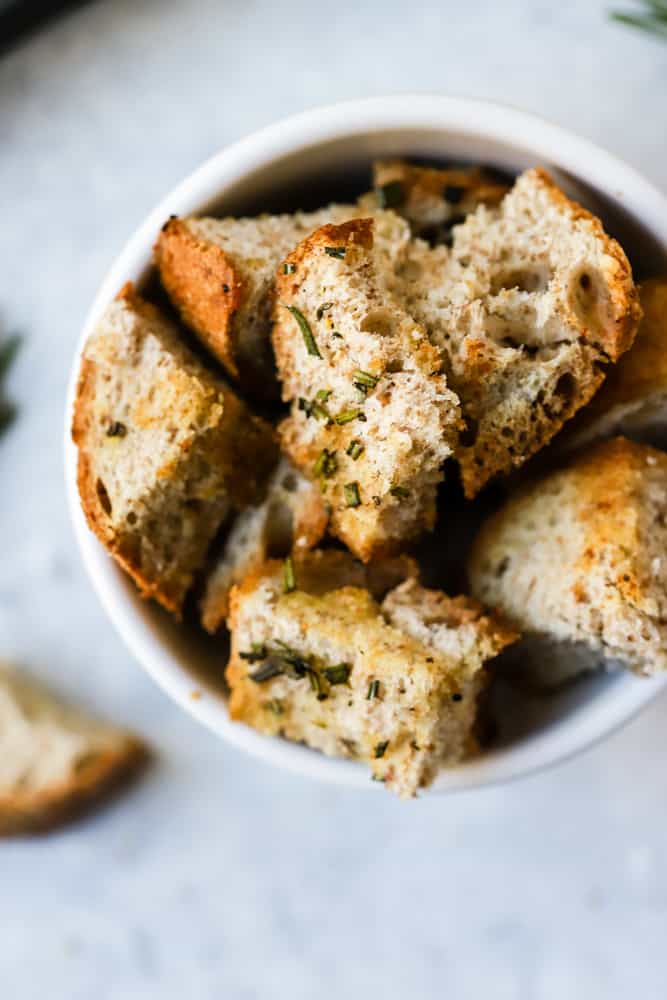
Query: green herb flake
point(289, 268)
point(316, 410)
point(8, 351)
point(326, 464)
point(337, 335)
point(363, 381)
point(352, 498)
point(268, 670)
point(391, 194)
point(347, 416)
point(316, 685)
point(338, 252)
point(373, 690)
point(275, 707)
point(400, 492)
point(338, 674)
point(354, 449)
point(257, 652)
point(325, 307)
point(306, 332)
point(380, 749)
point(289, 578)
point(322, 395)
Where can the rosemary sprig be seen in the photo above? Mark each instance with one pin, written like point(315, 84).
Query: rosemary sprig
point(8, 351)
point(652, 18)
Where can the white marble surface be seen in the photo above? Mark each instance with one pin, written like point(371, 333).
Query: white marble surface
point(219, 877)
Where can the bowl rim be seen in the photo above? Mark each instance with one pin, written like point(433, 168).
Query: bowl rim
point(485, 120)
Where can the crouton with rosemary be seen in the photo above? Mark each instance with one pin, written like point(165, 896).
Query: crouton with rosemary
point(165, 448)
point(580, 556)
point(371, 416)
point(393, 685)
point(434, 199)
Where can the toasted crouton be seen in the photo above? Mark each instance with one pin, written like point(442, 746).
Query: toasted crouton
point(220, 273)
point(293, 517)
point(529, 306)
point(371, 414)
point(434, 199)
point(579, 556)
point(166, 449)
point(334, 670)
point(55, 761)
point(633, 399)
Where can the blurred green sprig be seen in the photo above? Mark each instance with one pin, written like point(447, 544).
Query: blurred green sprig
point(8, 351)
point(650, 17)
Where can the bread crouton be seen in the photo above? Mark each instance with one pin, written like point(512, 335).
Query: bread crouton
point(219, 274)
point(528, 308)
point(166, 449)
point(579, 556)
point(371, 416)
point(55, 761)
point(433, 199)
point(293, 517)
point(333, 670)
point(633, 399)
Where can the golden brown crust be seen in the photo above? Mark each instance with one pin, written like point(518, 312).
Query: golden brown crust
point(105, 774)
point(203, 283)
point(614, 328)
point(226, 447)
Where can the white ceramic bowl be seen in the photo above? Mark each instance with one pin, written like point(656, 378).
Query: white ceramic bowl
point(332, 144)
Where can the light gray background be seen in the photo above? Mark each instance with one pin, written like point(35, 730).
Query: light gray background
point(218, 876)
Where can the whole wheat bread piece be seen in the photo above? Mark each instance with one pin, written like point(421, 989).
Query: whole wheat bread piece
point(55, 761)
point(580, 555)
point(333, 669)
point(292, 517)
point(371, 415)
point(633, 399)
point(166, 449)
point(528, 308)
point(433, 199)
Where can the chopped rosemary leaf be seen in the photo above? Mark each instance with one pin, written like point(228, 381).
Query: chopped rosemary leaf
point(337, 335)
point(8, 351)
point(322, 395)
point(457, 696)
point(338, 252)
point(338, 674)
point(275, 706)
point(316, 685)
point(323, 308)
point(378, 777)
point(289, 579)
point(380, 749)
point(373, 690)
point(453, 193)
point(361, 378)
point(347, 416)
point(256, 653)
point(354, 449)
point(400, 492)
point(116, 429)
point(326, 464)
point(315, 409)
point(268, 670)
point(289, 268)
point(390, 194)
point(351, 491)
point(306, 332)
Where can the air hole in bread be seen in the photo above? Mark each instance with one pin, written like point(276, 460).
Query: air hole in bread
point(526, 279)
point(103, 497)
point(502, 567)
point(378, 321)
point(589, 298)
point(566, 388)
point(131, 518)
